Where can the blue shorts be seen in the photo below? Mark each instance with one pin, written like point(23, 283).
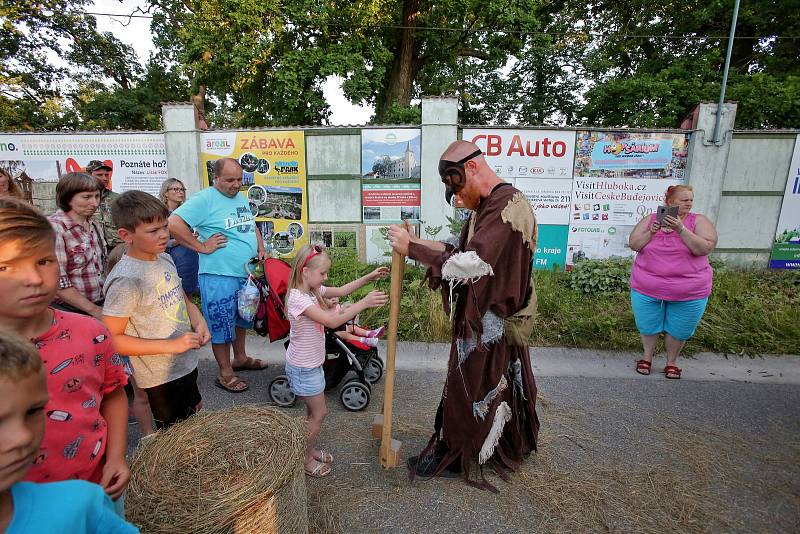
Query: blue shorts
point(219, 297)
point(677, 318)
point(305, 381)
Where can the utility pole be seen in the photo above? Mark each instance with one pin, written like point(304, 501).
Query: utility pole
point(717, 133)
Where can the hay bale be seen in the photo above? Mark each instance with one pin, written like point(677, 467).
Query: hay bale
point(233, 470)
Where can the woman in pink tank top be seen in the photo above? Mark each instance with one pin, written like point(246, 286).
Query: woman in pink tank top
point(671, 277)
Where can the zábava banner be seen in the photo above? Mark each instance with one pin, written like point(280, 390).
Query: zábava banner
point(273, 179)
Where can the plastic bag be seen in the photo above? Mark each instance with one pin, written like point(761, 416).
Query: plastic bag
point(248, 300)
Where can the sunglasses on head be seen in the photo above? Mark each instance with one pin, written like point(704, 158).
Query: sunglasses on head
point(453, 174)
point(315, 251)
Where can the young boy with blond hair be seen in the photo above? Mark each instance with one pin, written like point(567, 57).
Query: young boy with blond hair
point(87, 411)
point(149, 316)
point(74, 506)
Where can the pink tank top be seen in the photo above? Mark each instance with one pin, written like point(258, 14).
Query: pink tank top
point(666, 269)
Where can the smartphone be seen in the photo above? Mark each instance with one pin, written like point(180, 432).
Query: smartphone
point(663, 211)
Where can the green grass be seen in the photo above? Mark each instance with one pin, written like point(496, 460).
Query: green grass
point(748, 312)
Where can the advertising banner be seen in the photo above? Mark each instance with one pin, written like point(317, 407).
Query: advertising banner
point(624, 154)
point(786, 248)
point(390, 169)
point(591, 241)
point(551, 249)
point(138, 160)
point(614, 201)
point(274, 181)
point(538, 162)
point(550, 198)
point(620, 177)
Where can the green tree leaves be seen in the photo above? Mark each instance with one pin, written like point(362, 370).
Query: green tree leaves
point(57, 71)
point(642, 63)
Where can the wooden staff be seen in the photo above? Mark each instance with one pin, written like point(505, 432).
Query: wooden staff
point(382, 425)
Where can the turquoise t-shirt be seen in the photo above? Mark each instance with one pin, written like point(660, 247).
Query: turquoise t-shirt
point(211, 212)
point(73, 506)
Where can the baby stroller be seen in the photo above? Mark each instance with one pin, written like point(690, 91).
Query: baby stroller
point(357, 362)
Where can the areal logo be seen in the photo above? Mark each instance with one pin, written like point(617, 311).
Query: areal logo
point(8, 147)
point(217, 144)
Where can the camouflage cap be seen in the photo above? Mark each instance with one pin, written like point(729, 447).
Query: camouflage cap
point(97, 164)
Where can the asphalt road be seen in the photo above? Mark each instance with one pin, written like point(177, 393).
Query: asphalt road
point(718, 450)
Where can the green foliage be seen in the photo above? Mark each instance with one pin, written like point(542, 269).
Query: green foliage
point(750, 313)
point(432, 231)
point(268, 60)
point(642, 80)
point(398, 114)
point(455, 224)
point(95, 82)
point(570, 62)
point(421, 315)
point(344, 240)
point(600, 276)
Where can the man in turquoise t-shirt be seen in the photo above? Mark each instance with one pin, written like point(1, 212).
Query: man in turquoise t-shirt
point(228, 239)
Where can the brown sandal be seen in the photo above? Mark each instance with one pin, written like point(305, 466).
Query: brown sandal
point(250, 364)
point(234, 384)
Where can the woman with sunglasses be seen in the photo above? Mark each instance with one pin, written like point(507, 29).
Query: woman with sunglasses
point(173, 194)
point(488, 411)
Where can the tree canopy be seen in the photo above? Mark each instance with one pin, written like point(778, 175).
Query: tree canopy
point(559, 62)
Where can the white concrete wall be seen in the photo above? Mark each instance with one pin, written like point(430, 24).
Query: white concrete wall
point(739, 183)
point(182, 140)
point(706, 163)
point(751, 196)
point(333, 162)
point(439, 129)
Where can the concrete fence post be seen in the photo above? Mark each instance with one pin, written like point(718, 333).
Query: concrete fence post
point(707, 162)
point(439, 129)
point(182, 141)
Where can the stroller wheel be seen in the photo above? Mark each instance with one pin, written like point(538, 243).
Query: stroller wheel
point(373, 371)
point(355, 395)
point(280, 393)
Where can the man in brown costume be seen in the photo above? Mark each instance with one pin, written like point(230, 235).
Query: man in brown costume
point(487, 412)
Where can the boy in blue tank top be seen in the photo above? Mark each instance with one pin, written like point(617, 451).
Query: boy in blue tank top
point(74, 506)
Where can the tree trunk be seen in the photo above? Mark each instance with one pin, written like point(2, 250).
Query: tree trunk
point(199, 101)
point(404, 69)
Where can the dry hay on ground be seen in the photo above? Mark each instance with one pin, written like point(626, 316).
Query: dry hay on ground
point(233, 470)
point(682, 481)
point(685, 486)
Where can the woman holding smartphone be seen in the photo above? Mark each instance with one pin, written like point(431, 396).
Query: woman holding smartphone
point(671, 276)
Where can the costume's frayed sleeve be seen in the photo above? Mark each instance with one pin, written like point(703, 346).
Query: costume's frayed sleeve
point(434, 259)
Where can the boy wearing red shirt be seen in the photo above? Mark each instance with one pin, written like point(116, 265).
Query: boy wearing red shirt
point(87, 414)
